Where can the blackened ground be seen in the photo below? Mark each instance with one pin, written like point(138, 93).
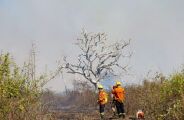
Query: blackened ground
point(87, 115)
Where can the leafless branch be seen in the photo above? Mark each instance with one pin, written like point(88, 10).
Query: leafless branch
point(97, 59)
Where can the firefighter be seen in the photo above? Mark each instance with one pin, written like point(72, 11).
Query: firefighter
point(102, 100)
point(119, 94)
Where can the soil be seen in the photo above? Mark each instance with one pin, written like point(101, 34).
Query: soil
point(84, 116)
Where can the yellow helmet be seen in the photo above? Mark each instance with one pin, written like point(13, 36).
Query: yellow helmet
point(100, 87)
point(118, 83)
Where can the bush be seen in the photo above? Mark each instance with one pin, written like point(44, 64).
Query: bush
point(172, 96)
point(161, 99)
point(146, 97)
point(20, 95)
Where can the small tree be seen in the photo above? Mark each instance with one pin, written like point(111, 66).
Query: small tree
point(97, 59)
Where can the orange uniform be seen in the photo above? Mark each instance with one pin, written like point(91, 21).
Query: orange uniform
point(119, 94)
point(102, 97)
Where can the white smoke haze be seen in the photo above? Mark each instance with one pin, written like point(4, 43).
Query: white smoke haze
point(155, 27)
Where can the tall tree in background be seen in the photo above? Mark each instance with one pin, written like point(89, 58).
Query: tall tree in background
point(98, 58)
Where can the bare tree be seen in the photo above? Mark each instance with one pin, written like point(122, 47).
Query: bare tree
point(98, 58)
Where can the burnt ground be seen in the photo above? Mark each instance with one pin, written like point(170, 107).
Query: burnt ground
point(81, 116)
point(84, 116)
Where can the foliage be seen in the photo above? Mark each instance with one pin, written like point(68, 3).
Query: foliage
point(20, 95)
point(161, 99)
point(173, 95)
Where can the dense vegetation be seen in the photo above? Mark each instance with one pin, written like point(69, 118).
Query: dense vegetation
point(161, 98)
point(19, 93)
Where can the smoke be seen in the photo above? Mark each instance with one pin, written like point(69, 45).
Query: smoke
point(155, 27)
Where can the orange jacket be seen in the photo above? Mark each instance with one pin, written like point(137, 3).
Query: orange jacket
point(119, 94)
point(102, 97)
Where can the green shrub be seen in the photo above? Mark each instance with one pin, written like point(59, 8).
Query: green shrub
point(161, 99)
point(172, 98)
point(19, 95)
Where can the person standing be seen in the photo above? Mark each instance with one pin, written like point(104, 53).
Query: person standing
point(113, 105)
point(102, 100)
point(119, 94)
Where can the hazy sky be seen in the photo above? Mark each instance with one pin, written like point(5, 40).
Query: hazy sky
point(156, 28)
